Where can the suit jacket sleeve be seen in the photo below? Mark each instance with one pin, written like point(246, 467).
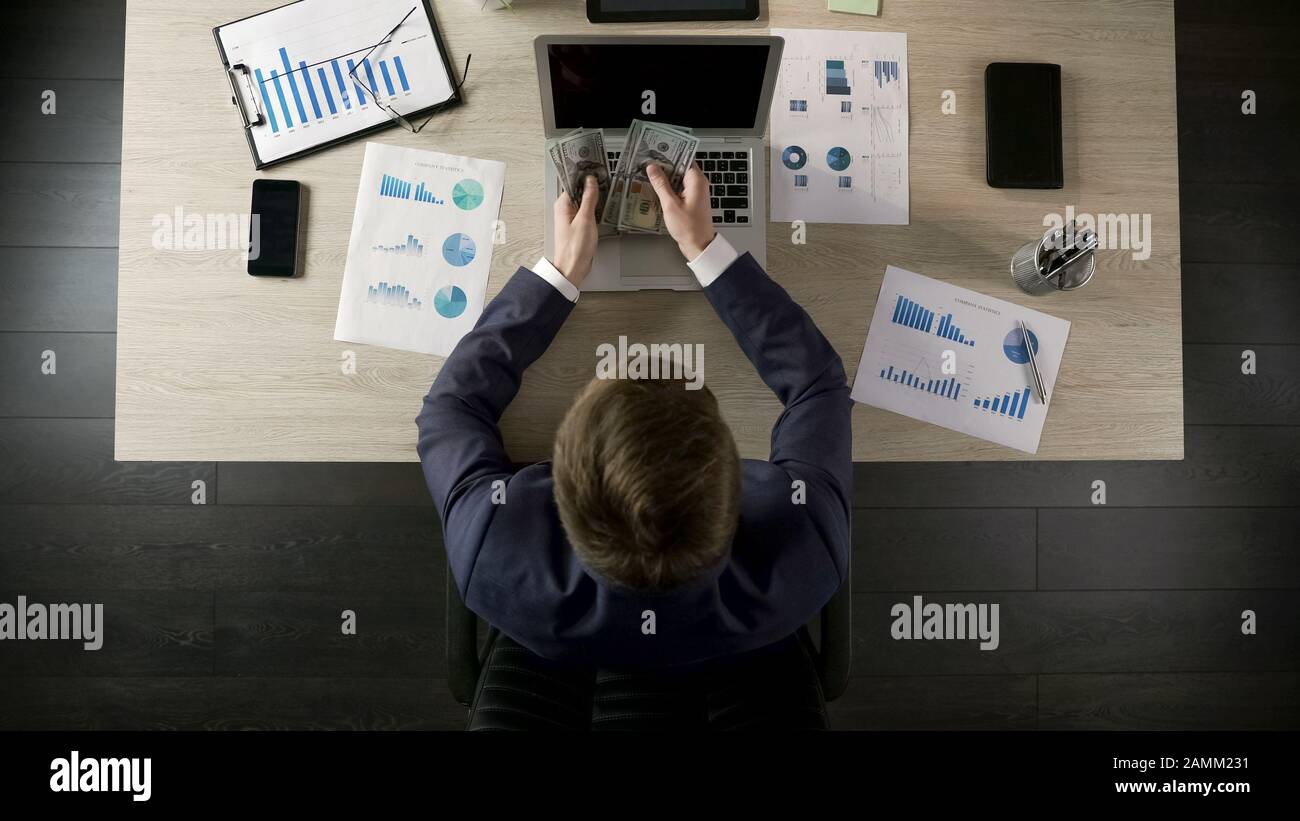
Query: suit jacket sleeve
point(812, 439)
point(460, 445)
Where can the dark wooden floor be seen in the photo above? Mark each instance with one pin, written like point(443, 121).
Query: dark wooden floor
point(227, 615)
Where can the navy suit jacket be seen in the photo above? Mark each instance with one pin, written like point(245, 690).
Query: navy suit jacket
point(512, 562)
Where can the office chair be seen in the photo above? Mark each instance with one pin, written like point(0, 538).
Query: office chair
point(785, 685)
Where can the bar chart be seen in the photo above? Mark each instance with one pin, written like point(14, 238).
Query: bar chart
point(886, 71)
point(410, 248)
point(837, 79)
point(918, 317)
point(392, 295)
point(390, 186)
point(307, 93)
point(1011, 405)
point(948, 388)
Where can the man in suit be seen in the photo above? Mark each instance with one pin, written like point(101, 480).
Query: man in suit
point(645, 514)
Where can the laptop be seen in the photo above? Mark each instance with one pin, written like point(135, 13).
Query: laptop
point(720, 87)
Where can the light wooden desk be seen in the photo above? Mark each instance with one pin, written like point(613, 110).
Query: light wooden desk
point(215, 365)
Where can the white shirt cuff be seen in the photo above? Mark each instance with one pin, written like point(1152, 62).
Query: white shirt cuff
point(551, 274)
point(713, 260)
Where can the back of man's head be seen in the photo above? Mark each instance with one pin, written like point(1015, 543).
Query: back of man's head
point(647, 481)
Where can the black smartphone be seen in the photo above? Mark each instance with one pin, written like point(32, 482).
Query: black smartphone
point(1022, 123)
point(274, 229)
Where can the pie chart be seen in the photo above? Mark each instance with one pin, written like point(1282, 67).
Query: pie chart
point(467, 194)
point(1014, 346)
point(450, 301)
point(838, 158)
point(458, 250)
point(794, 158)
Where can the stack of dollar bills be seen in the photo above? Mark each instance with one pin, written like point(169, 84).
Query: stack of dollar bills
point(628, 203)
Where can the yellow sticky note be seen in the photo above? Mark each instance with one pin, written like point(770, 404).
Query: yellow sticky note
point(871, 7)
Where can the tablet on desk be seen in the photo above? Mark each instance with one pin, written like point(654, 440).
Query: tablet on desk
point(649, 11)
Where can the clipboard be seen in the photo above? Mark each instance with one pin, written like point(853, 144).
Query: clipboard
point(258, 107)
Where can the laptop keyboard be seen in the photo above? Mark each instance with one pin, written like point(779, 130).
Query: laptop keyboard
point(728, 173)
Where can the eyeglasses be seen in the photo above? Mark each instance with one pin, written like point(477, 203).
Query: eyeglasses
point(392, 113)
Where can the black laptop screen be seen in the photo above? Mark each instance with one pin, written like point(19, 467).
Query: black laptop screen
point(698, 86)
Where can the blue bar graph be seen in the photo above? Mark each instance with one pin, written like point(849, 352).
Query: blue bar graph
point(293, 86)
point(325, 86)
point(284, 106)
point(913, 315)
point(388, 81)
point(361, 95)
point(394, 295)
point(948, 388)
point(411, 248)
point(311, 91)
point(1010, 405)
point(343, 87)
point(266, 100)
point(370, 75)
point(401, 73)
point(423, 194)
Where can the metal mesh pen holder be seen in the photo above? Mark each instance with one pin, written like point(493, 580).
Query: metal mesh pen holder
point(1030, 266)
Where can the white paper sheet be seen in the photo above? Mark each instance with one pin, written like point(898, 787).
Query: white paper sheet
point(839, 128)
point(421, 249)
point(297, 58)
point(989, 390)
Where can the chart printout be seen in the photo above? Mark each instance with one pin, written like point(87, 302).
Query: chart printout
point(308, 77)
point(957, 358)
point(420, 250)
point(839, 128)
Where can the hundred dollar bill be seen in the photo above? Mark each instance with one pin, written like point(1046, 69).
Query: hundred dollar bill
point(633, 205)
point(578, 155)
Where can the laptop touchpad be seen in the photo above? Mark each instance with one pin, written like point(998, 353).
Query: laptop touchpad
point(651, 257)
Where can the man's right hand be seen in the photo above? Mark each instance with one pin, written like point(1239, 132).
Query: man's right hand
point(688, 216)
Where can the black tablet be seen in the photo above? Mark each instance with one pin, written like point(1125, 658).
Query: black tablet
point(653, 11)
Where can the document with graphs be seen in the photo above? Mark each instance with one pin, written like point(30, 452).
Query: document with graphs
point(839, 128)
point(421, 249)
point(958, 358)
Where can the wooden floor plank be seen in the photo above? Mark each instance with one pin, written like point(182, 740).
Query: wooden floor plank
point(58, 289)
point(936, 703)
point(59, 205)
point(231, 548)
point(299, 634)
point(943, 549)
point(66, 461)
point(57, 374)
point(1168, 548)
point(1175, 701)
point(1218, 393)
point(1225, 466)
point(206, 703)
point(144, 633)
point(64, 38)
point(323, 483)
point(85, 125)
point(1129, 631)
point(1242, 304)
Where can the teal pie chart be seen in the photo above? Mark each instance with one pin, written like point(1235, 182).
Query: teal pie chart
point(458, 250)
point(838, 158)
point(794, 157)
point(450, 301)
point(467, 195)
